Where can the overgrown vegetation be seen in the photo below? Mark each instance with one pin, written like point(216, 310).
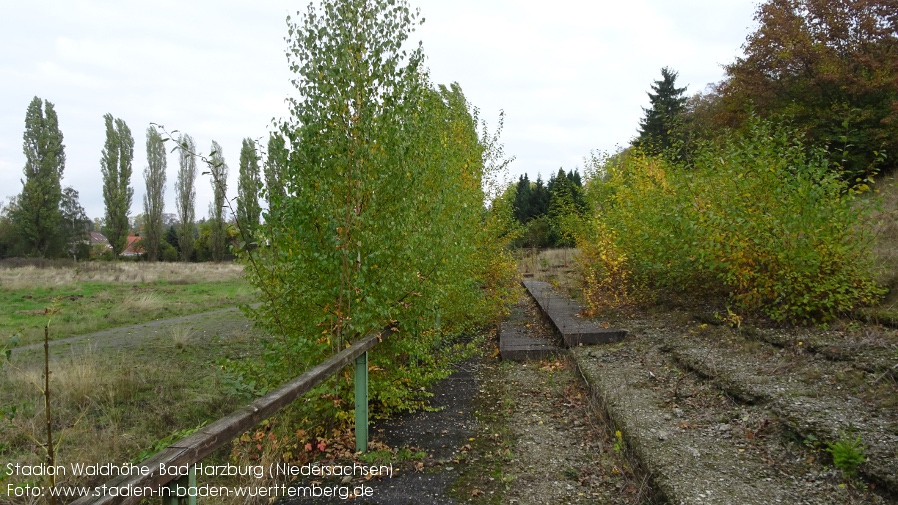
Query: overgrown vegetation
point(377, 216)
point(753, 218)
point(541, 210)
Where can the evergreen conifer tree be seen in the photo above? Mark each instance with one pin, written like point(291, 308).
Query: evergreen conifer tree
point(657, 128)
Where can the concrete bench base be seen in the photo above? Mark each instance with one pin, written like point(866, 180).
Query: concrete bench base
point(564, 316)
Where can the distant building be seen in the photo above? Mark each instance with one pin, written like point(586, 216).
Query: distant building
point(98, 244)
point(133, 247)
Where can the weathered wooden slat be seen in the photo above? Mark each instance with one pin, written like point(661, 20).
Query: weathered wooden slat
point(195, 447)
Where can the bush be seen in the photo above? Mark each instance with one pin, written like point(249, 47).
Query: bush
point(167, 252)
point(754, 218)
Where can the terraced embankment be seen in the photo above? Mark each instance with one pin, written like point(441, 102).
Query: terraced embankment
point(718, 416)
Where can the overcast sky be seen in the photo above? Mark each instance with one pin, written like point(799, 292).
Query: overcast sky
point(571, 76)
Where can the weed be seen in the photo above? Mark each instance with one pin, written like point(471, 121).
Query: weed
point(164, 442)
point(180, 335)
point(618, 441)
point(847, 452)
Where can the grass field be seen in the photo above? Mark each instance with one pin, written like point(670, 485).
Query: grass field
point(87, 297)
point(119, 398)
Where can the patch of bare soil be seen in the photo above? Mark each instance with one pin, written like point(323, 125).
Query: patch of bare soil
point(542, 441)
point(563, 452)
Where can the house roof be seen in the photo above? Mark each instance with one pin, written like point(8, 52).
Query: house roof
point(133, 247)
point(97, 238)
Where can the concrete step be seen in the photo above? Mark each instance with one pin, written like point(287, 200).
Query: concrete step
point(564, 315)
point(518, 340)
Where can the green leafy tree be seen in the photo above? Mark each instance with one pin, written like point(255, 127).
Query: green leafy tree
point(74, 225)
point(248, 187)
point(275, 167)
point(185, 195)
point(218, 226)
point(9, 242)
point(115, 164)
point(657, 128)
point(385, 220)
point(36, 214)
point(830, 67)
point(154, 198)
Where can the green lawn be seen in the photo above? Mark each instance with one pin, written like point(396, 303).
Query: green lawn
point(76, 302)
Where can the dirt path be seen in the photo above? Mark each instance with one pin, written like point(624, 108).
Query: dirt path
point(507, 433)
point(200, 326)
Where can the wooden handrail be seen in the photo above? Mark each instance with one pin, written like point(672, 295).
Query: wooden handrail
point(193, 448)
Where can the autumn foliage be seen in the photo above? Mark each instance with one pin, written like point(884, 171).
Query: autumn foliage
point(832, 68)
point(753, 219)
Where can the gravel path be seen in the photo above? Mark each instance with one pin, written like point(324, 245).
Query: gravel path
point(124, 337)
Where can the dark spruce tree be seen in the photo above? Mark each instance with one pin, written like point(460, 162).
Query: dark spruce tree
point(657, 129)
point(523, 200)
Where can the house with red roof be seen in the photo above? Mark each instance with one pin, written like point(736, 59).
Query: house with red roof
point(133, 247)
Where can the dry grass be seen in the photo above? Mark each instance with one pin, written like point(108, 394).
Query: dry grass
point(109, 405)
point(556, 266)
point(180, 335)
point(140, 302)
point(86, 297)
point(69, 274)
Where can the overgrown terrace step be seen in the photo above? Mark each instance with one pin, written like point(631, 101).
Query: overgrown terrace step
point(518, 340)
point(693, 441)
point(563, 313)
point(797, 389)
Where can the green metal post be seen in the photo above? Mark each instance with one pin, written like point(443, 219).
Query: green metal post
point(361, 403)
point(185, 482)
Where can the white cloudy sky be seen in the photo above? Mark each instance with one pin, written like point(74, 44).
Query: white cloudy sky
point(570, 75)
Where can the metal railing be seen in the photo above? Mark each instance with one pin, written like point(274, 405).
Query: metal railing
point(193, 448)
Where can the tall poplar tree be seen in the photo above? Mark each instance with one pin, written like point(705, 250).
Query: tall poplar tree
point(154, 198)
point(115, 164)
point(248, 186)
point(218, 230)
point(36, 215)
point(275, 167)
point(185, 194)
